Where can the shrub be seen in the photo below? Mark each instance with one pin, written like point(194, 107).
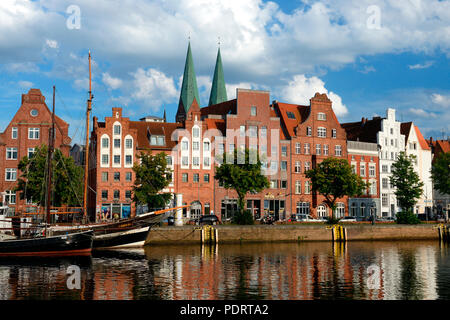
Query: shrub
point(332, 220)
point(407, 217)
point(243, 217)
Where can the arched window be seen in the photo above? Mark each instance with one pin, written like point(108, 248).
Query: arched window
point(340, 210)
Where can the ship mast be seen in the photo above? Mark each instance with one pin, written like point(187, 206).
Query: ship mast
point(51, 142)
point(86, 155)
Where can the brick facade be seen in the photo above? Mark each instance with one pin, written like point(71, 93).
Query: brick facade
point(28, 129)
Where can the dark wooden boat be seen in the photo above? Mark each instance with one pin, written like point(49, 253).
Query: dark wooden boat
point(72, 244)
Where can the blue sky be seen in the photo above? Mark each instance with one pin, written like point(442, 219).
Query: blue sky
point(366, 55)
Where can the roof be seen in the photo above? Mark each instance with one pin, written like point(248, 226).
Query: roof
point(218, 124)
point(423, 144)
point(444, 145)
point(224, 108)
point(364, 130)
point(218, 90)
point(144, 129)
point(405, 129)
point(292, 115)
point(189, 89)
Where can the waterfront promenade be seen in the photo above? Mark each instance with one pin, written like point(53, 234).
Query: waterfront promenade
point(189, 234)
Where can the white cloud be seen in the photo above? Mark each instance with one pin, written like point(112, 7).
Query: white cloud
point(153, 88)
point(426, 65)
point(300, 89)
point(422, 113)
point(25, 84)
point(113, 83)
point(442, 100)
point(368, 69)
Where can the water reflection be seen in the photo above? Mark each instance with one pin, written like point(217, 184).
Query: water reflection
point(365, 270)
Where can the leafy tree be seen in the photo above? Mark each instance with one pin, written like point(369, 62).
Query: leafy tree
point(406, 181)
point(333, 178)
point(67, 179)
point(440, 173)
point(152, 176)
point(243, 174)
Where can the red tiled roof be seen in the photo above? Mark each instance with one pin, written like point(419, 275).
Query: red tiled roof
point(157, 128)
point(423, 144)
point(218, 124)
point(444, 145)
point(364, 131)
point(301, 113)
point(227, 107)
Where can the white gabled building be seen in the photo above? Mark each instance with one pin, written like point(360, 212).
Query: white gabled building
point(416, 145)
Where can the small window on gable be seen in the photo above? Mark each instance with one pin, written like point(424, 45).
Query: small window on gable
point(253, 111)
point(290, 115)
point(321, 116)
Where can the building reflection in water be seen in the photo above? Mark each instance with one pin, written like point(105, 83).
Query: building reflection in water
point(251, 271)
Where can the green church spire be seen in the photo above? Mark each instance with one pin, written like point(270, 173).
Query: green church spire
point(189, 89)
point(218, 91)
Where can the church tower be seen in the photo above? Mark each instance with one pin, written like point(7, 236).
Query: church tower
point(189, 97)
point(218, 91)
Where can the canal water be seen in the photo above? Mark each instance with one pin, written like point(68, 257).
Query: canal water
point(305, 271)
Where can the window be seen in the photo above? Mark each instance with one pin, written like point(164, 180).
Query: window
point(298, 187)
point(306, 146)
point(253, 111)
point(105, 159)
point(283, 165)
point(184, 161)
point(10, 197)
point(157, 140)
point(290, 115)
point(372, 171)
point(318, 149)
point(14, 133)
point(196, 132)
point(128, 194)
point(185, 177)
point(338, 150)
point(283, 184)
point(196, 178)
point(104, 194)
point(104, 176)
point(307, 187)
point(263, 132)
point(273, 184)
point(373, 188)
point(362, 169)
point(116, 176)
point(206, 146)
point(362, 212)
point(206, 177)
point(353, 210)
point(307, 166)
point(116, 143)
point(321, 116)
point(169, 160)
point(392, 131)
point(11, 153)
point(384, 199)
point(308, 131)
point(297, 148)
point(325, 149)
point(184, 145)
point(195, 161)
point(128, 176)
point(384, 183)
point(116, 194)
point(384, 168)
point(231, 147)
point(284, 151)
point(353, 168)
point(31, 152)
point(116, 159)
point(340, 210)
point(242, 131)
point(298, 167)
point(392, 142)
point(303, 208)
point(273, 166)
point(333, 133)
point(11, 174)
point(117, 129)
point(128, 143)
point(322, 132)
point(195, 145)
point(105, 143)
point(33, 133)
point(206, 161)
point(34, 113)
point(253, 131)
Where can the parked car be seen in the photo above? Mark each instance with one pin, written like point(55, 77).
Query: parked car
point(209, 219)
point(307, 218)
point(387, 219)
point(348, 219)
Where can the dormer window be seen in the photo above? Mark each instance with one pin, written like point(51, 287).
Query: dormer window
point(290, 115)
point(321, 116)
point(157, 140)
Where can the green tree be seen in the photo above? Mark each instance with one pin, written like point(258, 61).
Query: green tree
point(333, 178)
point(151, 177)
point(440, 173)
point(243, 174)
point(67, 179)
point(406, 181)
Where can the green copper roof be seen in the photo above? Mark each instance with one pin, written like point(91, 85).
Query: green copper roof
point(189, 89)
point(218, 91)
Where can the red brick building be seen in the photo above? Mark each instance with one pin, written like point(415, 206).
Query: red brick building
point(28, 129)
